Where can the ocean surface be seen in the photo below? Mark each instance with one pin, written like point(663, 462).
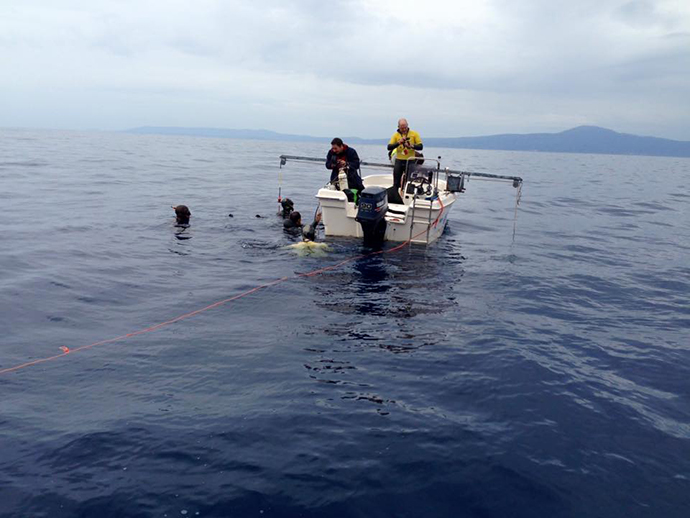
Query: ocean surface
point(529, 368)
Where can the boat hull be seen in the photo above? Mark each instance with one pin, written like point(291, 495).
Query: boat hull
point(421, 220)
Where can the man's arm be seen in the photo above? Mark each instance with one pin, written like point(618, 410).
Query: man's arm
point(352, 159)
point(329, 160)
point(394, 142)
point(331, 165)
point(418, 145)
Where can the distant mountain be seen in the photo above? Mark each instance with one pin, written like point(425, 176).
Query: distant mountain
point(583, 139)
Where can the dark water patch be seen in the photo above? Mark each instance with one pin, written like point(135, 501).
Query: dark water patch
point(66, 228)
point(654, 206)
point(23, 163)
point(661, 224)
point(623, 212)
point(99, 160)
point(573, 202)
point(259, 245)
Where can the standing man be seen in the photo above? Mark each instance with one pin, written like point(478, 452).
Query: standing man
point(404, 143)
point(343, 156)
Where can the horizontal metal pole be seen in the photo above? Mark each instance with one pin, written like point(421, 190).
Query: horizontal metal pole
point(487, 175)
point(368, 164)
point(285, 158)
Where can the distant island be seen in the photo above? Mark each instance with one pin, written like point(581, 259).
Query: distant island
point(583, 139)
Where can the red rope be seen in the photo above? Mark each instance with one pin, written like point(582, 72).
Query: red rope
point(155, 327)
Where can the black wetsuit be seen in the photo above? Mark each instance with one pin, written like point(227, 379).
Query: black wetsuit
point(291, 227)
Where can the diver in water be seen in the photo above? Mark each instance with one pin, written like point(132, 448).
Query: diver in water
point(287, 207)
point(309, 231)
point(308, 245)
point(182, 214)
point(293, 221)
point(293, 224)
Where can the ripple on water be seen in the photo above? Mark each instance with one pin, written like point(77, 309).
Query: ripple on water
point(491, 374)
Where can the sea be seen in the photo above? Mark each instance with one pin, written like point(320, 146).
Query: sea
point(530, 363)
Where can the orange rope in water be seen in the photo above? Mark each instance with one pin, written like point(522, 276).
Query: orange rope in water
point(67, 350)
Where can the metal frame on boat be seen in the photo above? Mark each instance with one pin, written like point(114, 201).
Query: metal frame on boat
point(427, 196)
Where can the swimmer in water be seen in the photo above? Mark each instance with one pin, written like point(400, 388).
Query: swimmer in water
point(293, 222)
point(182, 214)
point(308, 245)
point(309, 231)
point(287, 207)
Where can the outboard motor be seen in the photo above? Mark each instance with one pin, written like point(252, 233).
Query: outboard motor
point(373, 204)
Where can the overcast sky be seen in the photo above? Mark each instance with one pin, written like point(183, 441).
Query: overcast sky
point(348, 67)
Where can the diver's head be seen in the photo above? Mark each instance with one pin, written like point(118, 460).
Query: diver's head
point(182, 214)
point(288, 207)
point(296, 218)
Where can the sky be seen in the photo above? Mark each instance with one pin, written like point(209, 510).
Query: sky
point(348, 67)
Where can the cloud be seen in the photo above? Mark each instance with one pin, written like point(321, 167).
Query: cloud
point(496, 64)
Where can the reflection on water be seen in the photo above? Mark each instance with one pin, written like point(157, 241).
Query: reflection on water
point(183, 231)
point(403, 284)
point(394, 302)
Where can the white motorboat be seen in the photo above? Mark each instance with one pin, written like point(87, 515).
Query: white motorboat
point(428, 196)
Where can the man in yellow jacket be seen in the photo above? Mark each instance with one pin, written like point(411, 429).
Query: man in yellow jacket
point(403, 144)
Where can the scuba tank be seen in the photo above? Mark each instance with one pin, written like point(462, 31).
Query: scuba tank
point(342, 179)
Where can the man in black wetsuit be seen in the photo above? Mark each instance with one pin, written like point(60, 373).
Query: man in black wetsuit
point(293, 224)
point(293, 221)
point(343, 156)
point(287, 206)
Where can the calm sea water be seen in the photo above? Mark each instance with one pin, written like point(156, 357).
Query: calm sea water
point(483, 376)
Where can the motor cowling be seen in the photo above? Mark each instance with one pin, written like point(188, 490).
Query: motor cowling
point(371, 214)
